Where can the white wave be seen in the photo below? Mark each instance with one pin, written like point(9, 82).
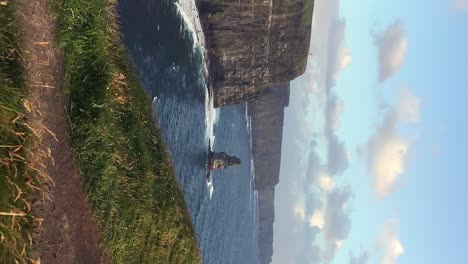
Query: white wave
point(211, 117)
point(210, 187)
point(255, 214)
point(188, 11)
point(250, 133)
point(250, 195)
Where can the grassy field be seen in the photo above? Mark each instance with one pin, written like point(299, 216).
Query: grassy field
point(123, 162)
point(19, 182)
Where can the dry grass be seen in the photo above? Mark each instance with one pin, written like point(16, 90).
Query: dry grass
point(22, 185)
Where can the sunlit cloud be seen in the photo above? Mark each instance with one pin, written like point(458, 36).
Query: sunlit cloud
point(392, 46)
point(343, 59)
point(389, 164)
point(390, 243)
point(387, 152)
point(325, 182)
point(386, 156)
point(317, 219)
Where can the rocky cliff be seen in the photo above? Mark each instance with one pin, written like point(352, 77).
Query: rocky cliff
point(254, 44)
point(267, 115)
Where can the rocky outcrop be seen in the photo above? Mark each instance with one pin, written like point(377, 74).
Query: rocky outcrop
point(221, 161)
point(267, 133)
point(254, 44)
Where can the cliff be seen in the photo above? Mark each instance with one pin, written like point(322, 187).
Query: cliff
point(267, 132)
point(267, 115)
point(266, 217)
point(254, 44)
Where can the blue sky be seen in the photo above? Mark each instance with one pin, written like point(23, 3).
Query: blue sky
point(374, 139)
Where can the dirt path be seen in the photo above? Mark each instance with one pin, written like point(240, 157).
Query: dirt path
point(69, 233)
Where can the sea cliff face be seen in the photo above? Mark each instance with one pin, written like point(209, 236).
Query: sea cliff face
point(267, 115)
point(254, 44)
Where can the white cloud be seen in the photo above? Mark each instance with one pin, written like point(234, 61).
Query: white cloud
point(390, 243)
point(343, 58)
point(460, 5)
point(392, 45)
point(387, 152)
point(325, 182)
point(389, 164)
point(317, 219)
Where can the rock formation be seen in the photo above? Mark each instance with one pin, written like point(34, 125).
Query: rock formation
point(254, 44)
point(221, 161)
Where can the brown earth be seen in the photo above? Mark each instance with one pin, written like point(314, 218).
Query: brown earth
point(69, 233)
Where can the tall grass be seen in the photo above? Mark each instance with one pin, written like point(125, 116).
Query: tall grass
point(19, 181)
point(123, 162)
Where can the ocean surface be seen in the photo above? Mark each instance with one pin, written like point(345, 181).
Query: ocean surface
point(166, 44)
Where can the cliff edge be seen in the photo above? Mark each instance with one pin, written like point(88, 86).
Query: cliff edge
point(254, 45)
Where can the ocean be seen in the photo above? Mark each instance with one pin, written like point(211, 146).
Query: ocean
point(166, 45)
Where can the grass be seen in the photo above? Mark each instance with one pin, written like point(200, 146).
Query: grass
point(123, 163)
point(19, 181)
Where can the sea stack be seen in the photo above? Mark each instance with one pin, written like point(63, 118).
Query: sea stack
point(221, 161)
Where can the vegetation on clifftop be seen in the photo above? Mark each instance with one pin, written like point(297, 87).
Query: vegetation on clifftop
point(122, 160)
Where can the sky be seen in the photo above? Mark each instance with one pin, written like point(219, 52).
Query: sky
point(374, 137)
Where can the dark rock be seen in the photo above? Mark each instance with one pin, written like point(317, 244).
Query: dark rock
point(267, 115)
point(254, 44)
point(221, 161)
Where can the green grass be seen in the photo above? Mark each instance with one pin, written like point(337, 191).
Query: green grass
point(123, 163)
point(19, 182)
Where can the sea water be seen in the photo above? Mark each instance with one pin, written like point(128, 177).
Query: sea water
point(166, 44)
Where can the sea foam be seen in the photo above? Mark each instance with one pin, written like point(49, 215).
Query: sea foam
point(188, 12)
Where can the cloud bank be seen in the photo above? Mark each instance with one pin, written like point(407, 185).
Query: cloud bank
point(392, 46)
point(327, 226)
